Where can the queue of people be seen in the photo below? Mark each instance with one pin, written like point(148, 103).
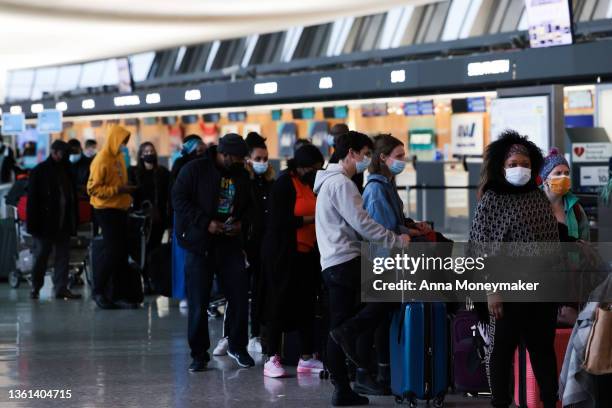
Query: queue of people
point(278, 245)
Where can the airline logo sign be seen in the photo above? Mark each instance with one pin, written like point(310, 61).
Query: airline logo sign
point(467, 134)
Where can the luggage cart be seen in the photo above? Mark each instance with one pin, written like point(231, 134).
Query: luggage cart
point(24, 257)
point(138, 232)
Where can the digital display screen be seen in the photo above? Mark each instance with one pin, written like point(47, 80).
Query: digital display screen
point(550, 22)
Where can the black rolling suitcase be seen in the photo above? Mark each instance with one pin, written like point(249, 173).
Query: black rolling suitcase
point(94, 261)
point(126, 284)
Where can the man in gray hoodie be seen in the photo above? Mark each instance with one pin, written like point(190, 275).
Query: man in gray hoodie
point(341, 224)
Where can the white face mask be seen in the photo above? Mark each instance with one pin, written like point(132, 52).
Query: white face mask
point(518, 176)
point(74, 158)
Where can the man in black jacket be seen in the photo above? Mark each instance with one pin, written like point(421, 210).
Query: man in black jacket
point(52, 219)
point(79, 167)
point(210, 198)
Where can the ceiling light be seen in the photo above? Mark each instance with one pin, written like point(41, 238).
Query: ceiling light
point(326, 83)
point(488, 67)
point(61, 106)
point(153, 98)
point(398, 76)
point(265, 88)
point(193, 95)
point(127, 100)
point(16, 109)
point(88, 104)
point(37, 107)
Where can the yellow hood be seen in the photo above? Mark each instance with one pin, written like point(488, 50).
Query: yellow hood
point(117, 135)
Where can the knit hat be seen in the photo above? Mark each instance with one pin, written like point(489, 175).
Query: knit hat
point(234, 145)
point(554, 159)
point(254, 141)
point(307, 156)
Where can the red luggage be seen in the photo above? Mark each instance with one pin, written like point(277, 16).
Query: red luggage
point(85, 212)
point(22, 206)
point(527, 383)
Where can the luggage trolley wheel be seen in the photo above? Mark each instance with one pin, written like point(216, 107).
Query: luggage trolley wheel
point(14, 279)
point(438, 401)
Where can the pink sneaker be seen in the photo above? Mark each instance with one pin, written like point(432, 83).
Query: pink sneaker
point(273, 368)
point(311, 366)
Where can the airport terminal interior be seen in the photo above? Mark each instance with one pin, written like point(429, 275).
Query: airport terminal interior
point(148, 150)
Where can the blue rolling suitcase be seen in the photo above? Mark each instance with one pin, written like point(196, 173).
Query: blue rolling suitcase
point(419, 353)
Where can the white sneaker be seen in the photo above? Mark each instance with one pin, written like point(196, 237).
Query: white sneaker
point(254, 345)
point(222, 346)
point(273, 368)
point(310, 366)
point(183, 304)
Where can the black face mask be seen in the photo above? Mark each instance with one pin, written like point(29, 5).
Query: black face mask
point(150, 158)
point(309, 178)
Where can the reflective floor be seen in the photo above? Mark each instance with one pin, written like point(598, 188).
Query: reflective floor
point(132, 358)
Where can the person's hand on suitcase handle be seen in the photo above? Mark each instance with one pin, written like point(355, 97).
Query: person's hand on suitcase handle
point(405, 239)
point(496, 305)
point(216, 227)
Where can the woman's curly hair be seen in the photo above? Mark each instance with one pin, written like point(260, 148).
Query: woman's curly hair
point(492, 173)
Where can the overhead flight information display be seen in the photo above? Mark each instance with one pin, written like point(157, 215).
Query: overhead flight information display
point(550, 22)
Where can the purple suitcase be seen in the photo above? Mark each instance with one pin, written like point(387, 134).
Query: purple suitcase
point(468, 371)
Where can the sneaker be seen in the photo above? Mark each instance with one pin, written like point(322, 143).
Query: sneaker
point(243, 358)
point(67, 295)
point(103, 303)
point(198, 365)
point(310, 366)
point(183, 304)
point(347, 397)
point(222, 346)
point(364, 384)
point(273, 368)
point(254, 345)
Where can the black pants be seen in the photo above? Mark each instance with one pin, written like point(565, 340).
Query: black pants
point(114, 235)
point(254, 273)
point(307, 281)
point(379, 338)
point(343, 283)
point(42, 251)
point(225, 257)
point(534, 324)
point(155, 241)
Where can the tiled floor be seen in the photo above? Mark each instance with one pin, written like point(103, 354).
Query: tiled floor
point(132, 358)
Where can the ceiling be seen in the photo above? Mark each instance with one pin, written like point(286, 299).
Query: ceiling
point(43, 32)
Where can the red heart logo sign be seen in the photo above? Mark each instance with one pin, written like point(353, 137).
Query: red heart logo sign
point(579, 150)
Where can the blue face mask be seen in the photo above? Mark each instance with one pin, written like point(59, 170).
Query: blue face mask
point(330, 140)
point(126, 155)
point(29, 162)
point(397, 166)
point(74, 158)
point(361, 166)
point(260, 167)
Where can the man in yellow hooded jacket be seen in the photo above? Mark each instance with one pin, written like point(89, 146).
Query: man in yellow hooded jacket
point(110, 197)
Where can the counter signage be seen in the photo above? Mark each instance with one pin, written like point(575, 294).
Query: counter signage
point(13, 123)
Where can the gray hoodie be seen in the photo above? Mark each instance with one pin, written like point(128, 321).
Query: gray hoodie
point(340, 220)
